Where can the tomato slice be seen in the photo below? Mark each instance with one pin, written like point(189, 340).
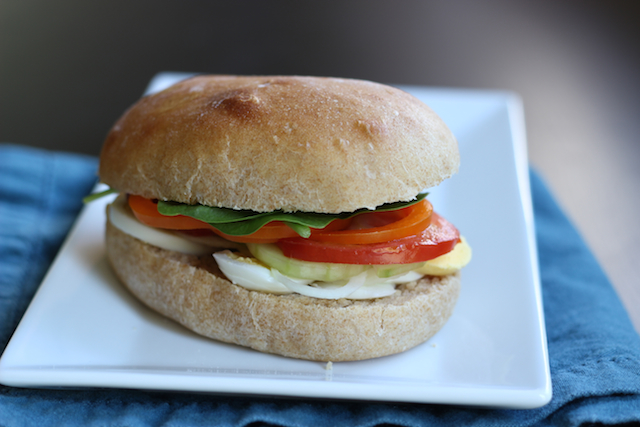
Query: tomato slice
point(364, 229)
point(439, 238)
point(394, 225)
point(146, 211)
point(276, 230)
point(269, 233)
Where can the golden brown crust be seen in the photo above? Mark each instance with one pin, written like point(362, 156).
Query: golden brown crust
point(193, 291)
point(265, 143)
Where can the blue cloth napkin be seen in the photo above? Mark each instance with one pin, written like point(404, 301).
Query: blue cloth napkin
point(593, 348)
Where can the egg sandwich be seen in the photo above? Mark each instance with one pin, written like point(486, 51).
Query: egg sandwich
point(286, 214)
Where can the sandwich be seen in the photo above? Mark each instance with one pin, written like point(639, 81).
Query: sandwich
point(286, 214)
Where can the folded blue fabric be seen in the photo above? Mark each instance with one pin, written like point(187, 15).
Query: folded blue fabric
point(594, 350)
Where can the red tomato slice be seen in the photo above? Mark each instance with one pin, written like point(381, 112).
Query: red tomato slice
point(437, 239)
point(391, 225)
point(146, 211)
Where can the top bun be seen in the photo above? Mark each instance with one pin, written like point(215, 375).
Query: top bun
point(265, 143)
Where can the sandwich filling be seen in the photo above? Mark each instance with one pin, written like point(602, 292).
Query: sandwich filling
point(359, 255)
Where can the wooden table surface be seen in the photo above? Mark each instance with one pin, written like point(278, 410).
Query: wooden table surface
point(69, 68)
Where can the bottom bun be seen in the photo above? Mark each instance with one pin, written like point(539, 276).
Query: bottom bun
point(192, 291)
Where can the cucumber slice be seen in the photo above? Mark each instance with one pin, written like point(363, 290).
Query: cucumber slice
point(271, 255)
point(390, 270)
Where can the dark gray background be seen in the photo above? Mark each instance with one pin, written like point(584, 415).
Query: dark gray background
point(68, 68)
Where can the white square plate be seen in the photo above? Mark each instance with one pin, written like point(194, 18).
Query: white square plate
point(83, 329)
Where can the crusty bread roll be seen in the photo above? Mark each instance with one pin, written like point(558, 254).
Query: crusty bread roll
point(322, 145)
point(193, 291)
point(279, 143)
